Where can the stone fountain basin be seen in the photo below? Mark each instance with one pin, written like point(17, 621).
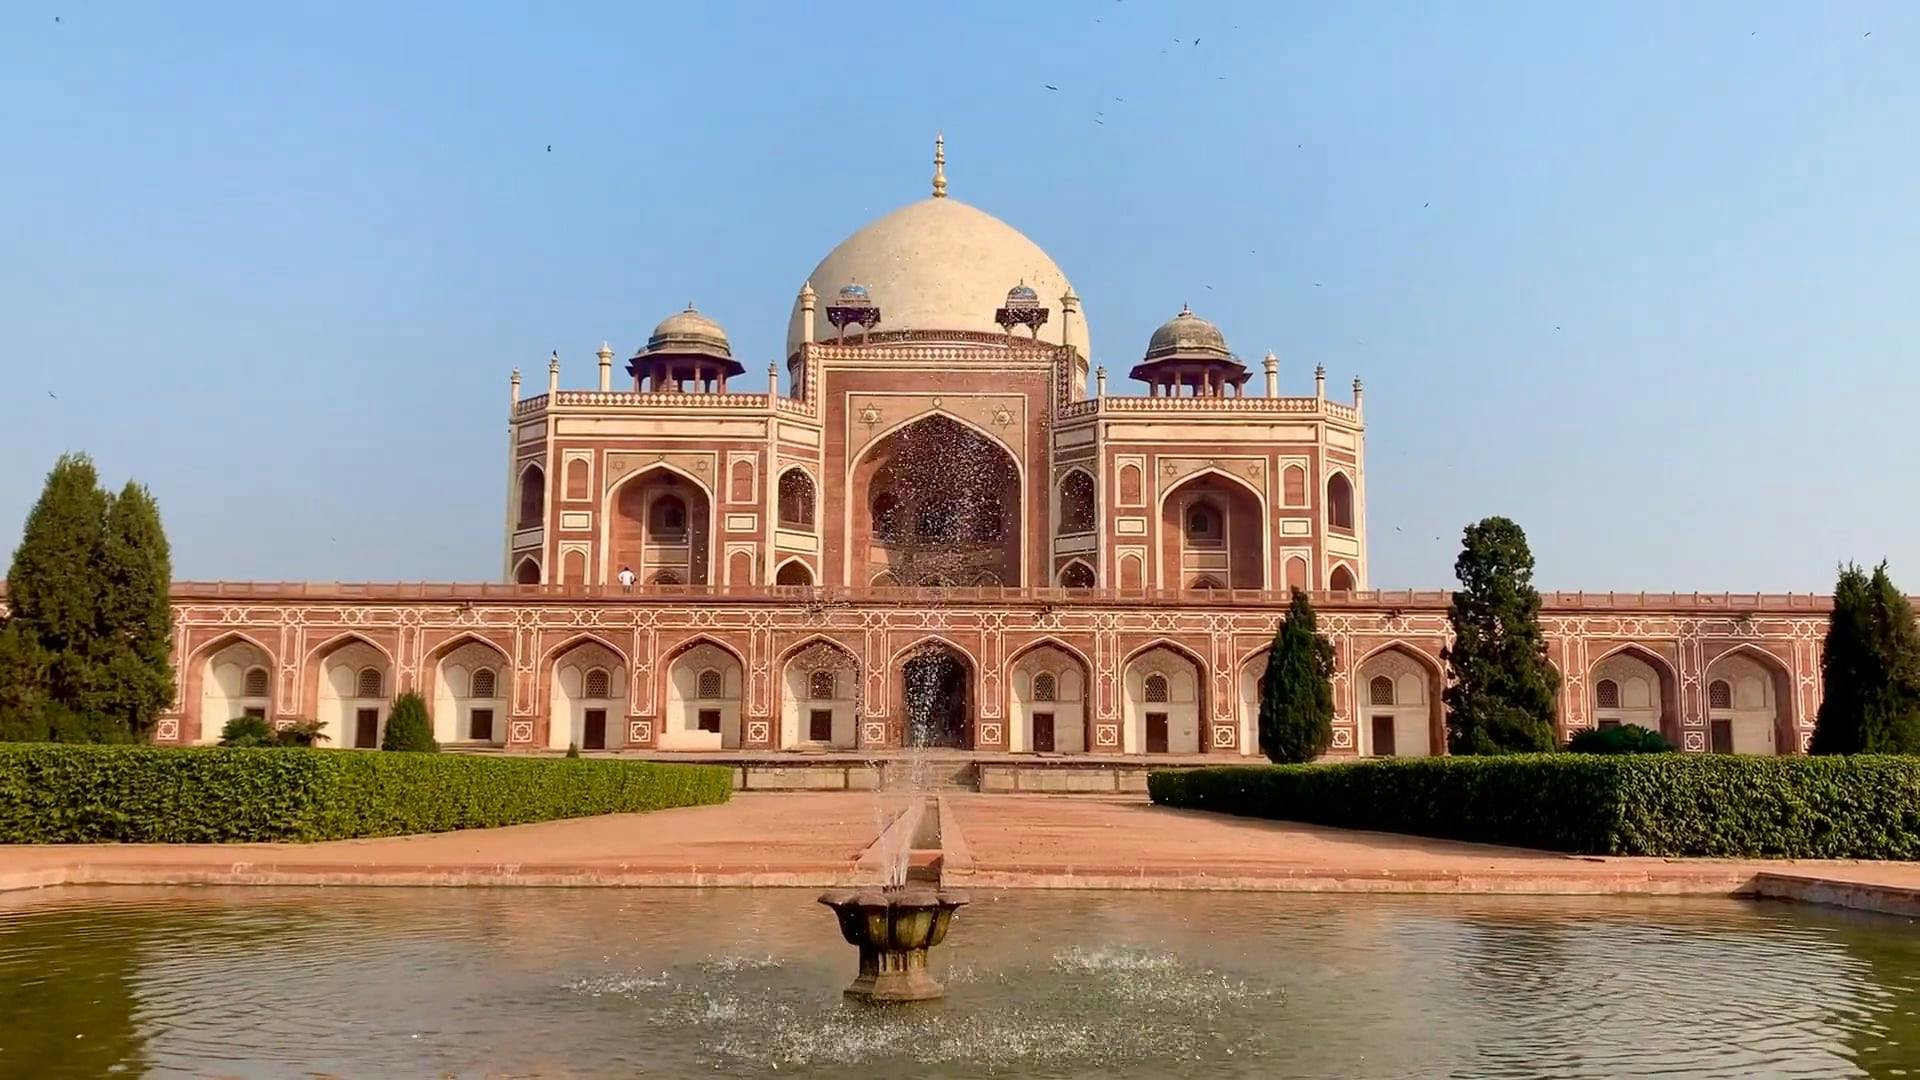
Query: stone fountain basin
point(893, 929)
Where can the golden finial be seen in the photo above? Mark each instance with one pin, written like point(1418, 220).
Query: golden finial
point(939, 165)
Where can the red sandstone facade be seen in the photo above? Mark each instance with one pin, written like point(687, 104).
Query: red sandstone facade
point(936, 534)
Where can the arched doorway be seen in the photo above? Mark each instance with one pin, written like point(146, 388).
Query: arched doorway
point(1749, 695)
point(1633, 685)
point(1163, 703)
point(936, 501)
point(236, 680)
point(704, 683)
point(355, 694)
point(936, 703)
point(820, 699)
point(472, 682)
point(1212, 530)
point(661, 529)
point(1397, 705)
point(587, 697)
point(1047, 702)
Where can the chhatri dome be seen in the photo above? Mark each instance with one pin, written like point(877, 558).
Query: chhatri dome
point(940, 264)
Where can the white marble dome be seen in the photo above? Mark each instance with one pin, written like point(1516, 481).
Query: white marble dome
point(938, 265)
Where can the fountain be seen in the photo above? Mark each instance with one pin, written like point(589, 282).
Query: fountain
point(894, 927)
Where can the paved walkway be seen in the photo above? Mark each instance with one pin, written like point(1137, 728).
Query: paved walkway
point(1012, 841)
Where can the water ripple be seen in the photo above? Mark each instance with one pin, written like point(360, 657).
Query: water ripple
point(605, 983)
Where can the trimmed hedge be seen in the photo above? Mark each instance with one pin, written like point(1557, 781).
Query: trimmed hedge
point(1865, 807)
point(64, 794)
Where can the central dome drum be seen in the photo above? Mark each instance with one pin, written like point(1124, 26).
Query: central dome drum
point(939, 265)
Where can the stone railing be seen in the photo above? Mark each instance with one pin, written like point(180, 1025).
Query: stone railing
point(616, 399)
point(1393, 599)
point(1287, 405)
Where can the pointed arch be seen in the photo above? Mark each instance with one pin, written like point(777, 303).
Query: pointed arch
point(880, 507)
point(797, 494)
point(1666, 674)
point(1078, 503)
point(338, 641)
point(532, 484)
point(457, 712)
point(1242, 533)
point(695, 640)
point(1786, 712)
point(1175, 725)
point(805, 717)
point(346, 719)
point(701, 694)
point(1077, 574)
point(582, 637)
point(1340, 500)
point(1049, 693)
point(703, 553)
point(198, 685)
point(527, 571)
point(794, 571)
point(1341, 579)
point(932, 639)
point(883, 434)
point(1412, 723)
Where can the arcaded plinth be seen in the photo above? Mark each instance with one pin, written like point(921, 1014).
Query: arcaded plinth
point(893, 929)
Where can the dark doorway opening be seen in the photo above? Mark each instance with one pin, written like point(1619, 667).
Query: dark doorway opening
point(709, 720)
point(595, 735)
point(480, 725)
point(1043, 733)
point(1383, 736)
point(1722, 734)
point(1156, 733)
point(936, 698)
point(820, 725)
point(366, 728)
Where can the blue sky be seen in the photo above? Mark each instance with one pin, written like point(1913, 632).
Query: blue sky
point(1640, 276)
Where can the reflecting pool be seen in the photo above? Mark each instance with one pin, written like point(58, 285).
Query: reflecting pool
point(672, 983)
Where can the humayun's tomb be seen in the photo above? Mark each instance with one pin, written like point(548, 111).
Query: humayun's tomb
point(936, 507)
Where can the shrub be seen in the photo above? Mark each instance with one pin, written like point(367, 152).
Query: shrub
point(1864, 807)
point(573, 750)
point(301, 733)
point(145, 794)
point(247, 731)
point(407, 725)
point(1623, 739)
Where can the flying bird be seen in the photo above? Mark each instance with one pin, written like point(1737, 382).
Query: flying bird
point(1050, 86)
point(53, 395)
point(549, 148)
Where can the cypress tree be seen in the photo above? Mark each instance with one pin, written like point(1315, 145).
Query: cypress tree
point(136, 616)
point(1296, 703)
point(1501, 689)
point(407, 725)
point(23, 697)
point(53, 593)
point(1871, 669)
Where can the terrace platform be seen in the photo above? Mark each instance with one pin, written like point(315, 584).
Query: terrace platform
point(937, 770)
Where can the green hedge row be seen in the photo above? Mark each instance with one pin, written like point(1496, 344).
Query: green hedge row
point(1865, 807)
point(63, 794)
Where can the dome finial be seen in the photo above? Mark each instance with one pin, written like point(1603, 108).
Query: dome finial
point(939, 165)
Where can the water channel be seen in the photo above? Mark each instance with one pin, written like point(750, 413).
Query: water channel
point(671, 983)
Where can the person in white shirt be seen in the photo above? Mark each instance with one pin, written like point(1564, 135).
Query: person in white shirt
point(626, 577)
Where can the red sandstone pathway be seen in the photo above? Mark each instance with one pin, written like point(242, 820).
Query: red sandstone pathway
point(1014, 841)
